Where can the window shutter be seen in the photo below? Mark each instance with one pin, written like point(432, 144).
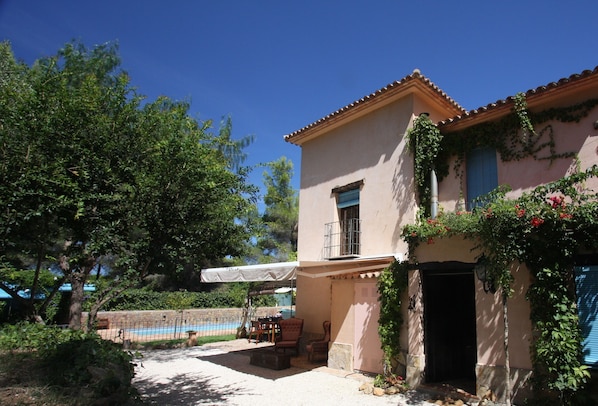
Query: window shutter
point(482, 175)
point(348, 198)
point(586, 282)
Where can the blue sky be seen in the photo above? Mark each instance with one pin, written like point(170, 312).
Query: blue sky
point(276, 66)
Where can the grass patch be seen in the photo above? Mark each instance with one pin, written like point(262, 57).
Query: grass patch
point(181, 342)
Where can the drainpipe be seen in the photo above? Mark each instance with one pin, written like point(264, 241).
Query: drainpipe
point(433, 194)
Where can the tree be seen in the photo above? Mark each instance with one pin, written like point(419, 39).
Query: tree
point(281, 213)
point(88, 174)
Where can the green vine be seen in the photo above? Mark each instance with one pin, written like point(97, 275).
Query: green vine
point(544, 229)
point(424, 140)
point(514, 136)
point(391, 286)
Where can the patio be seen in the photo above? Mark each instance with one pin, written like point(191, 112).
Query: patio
point(221, 373)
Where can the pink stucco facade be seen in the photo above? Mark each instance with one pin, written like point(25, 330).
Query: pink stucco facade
point(365, 144)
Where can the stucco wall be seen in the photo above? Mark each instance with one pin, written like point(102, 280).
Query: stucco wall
point(371, 149)
point(343, 325)
point(368, 352)
point(489, 317)
point(525, 174)
point(313, 303)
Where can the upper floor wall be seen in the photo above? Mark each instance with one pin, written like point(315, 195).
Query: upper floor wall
point(369, 154)
point(569, 146)
point(355, 164)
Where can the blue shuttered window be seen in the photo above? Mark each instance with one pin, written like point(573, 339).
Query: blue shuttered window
point(482, 176)
point(348, 198)
point(586, 282)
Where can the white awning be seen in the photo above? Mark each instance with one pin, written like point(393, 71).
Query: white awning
point(278, 271)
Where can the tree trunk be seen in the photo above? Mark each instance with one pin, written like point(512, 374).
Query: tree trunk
point(75, 310)
point(103, 298)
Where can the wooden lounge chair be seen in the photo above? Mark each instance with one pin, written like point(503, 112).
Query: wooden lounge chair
point(319, 347)
point(290, 332)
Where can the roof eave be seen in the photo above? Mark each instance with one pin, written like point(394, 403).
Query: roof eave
point(413, 84)
point(536, 99)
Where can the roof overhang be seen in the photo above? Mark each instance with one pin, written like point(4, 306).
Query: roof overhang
point(553, 94)
point(277, 271)
point(337, 268)
point(416, 83)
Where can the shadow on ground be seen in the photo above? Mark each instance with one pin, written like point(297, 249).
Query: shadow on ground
point(239, 361)
point(186, 389)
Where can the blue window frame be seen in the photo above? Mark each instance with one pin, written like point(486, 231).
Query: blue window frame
point(586, 282)
point(482, 176)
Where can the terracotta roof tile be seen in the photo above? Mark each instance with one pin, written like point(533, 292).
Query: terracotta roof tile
point(416, 75)
point(530, 93)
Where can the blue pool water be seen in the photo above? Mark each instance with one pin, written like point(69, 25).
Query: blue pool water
point(214, 327)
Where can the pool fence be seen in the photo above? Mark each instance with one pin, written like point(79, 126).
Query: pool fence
point(155, 325)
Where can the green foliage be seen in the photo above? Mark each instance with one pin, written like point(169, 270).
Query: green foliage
point(391, 286)
point(88, 174)
point(514, 136)
point(554, 315)
point(386, 381)
point(278, 240)
point(72, 360)
point(34, 336)
point(544, 229)
point(424, 141)
point(140, 299)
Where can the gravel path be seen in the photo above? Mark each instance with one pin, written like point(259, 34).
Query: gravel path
point(220, 373)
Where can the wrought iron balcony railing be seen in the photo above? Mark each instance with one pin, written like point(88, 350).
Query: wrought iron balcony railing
point(342, 238)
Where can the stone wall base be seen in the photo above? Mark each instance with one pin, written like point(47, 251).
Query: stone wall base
point(491, 383)
point(340, 356)
point(414, 374)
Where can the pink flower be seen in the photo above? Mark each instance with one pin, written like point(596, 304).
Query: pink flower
point(556, 201)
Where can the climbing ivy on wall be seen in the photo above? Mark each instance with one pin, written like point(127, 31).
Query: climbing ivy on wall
point(544, 229)
point(514, 136)
point(391, 285)
point(424, 140)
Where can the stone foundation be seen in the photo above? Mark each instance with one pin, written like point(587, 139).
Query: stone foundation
point(490, 382)
point(415, 370)
point(340, 356)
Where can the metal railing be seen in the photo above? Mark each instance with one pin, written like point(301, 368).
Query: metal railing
point(173, 329)
point(342, 238)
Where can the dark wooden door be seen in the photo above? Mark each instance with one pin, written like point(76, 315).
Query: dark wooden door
point(450, 325)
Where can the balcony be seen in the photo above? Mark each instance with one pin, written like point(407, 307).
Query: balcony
point(342, 239)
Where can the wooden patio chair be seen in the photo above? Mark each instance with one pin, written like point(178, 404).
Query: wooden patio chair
point(290, 333)
point(256, 330)
point(319, 347)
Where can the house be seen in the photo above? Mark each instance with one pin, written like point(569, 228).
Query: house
point(357, 192)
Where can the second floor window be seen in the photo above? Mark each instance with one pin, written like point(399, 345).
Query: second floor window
point(482, 176)
point(348, 212)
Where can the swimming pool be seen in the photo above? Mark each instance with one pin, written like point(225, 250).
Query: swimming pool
point(215, 328)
